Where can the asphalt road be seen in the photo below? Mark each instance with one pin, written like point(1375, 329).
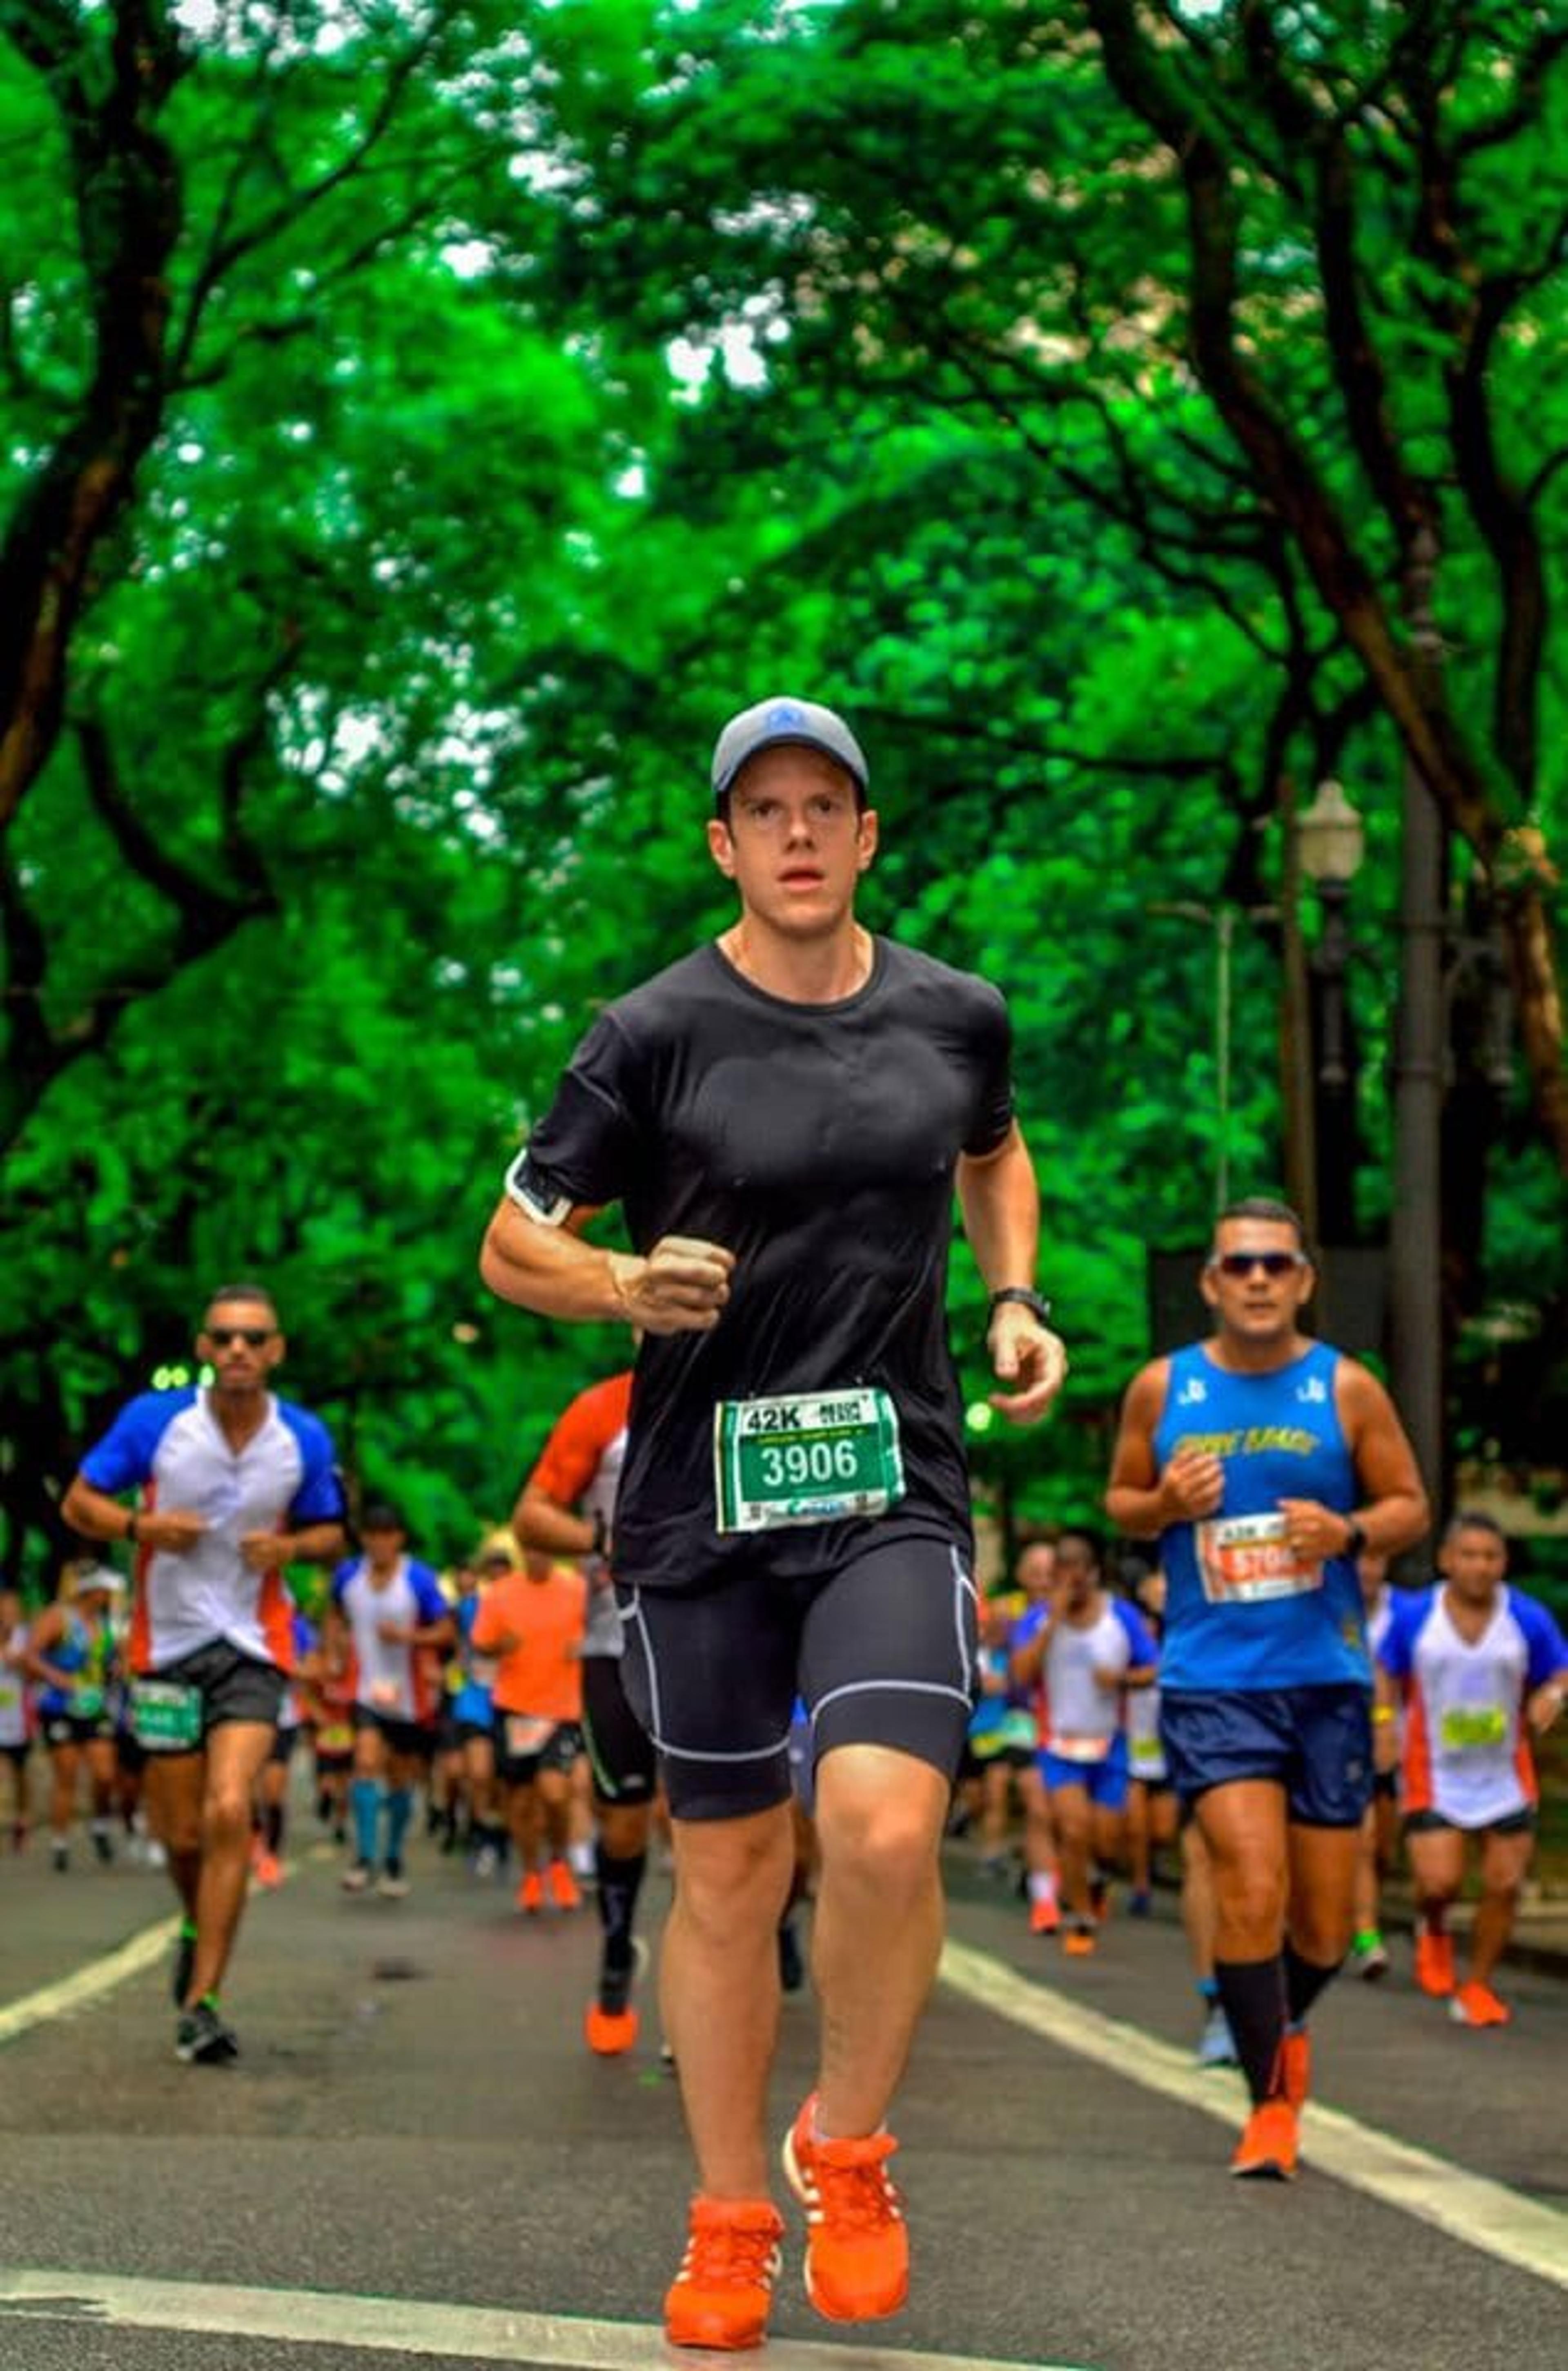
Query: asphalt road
point(415, 2118)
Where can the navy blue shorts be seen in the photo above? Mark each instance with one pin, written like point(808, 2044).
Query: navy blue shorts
point(1316, 1743)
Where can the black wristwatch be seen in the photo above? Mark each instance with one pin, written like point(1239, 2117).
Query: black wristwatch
point(1355, 1538)
point(1031, 1301)
point(601, 1533)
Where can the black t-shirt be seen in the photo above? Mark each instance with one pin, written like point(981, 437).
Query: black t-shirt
point(817, 1142)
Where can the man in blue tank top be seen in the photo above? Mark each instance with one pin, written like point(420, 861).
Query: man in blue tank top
point(1264, 1463)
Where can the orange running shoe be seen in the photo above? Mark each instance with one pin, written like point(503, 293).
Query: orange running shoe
point(1078, 1942)
point(1267, 2149)
point(1434, 1963)
point(564, 1890)
point(1044, 1916)
point(1295, 2068)
point(1476, 2004)
point(720, 2296)
point(856, 2245)
point(530, 1894)
point(269, 1869)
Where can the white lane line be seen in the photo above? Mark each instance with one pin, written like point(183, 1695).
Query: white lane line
point(100, 1976)
point(88, 1984)
point(407, 2326)
point(1485, 2215)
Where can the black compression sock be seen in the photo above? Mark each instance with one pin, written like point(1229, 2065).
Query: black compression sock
point(1251, 1992)
point(1304, 1980)
point(619, 1882)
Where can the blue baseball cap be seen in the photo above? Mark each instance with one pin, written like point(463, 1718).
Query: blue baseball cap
point(778, 721)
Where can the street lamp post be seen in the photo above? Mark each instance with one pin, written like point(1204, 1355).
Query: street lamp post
point(1416, 1346)
point(1329, 841)
point(1221, 921)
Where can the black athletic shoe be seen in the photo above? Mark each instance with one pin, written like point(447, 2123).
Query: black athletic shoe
point(201, 2038)
point(184, 1965)
point(791, 1967)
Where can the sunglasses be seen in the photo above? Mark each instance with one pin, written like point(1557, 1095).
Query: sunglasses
point(1241, 1264)
point(252, 1335)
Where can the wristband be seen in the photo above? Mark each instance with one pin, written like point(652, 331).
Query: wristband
point(132, 1530)
point(601, 1533)
point(1024, 1294)
point(1355, 1537)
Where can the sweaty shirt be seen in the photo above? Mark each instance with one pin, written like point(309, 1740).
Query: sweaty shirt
point(818, 1143)
point(1241, 1610)
point(171, 1443)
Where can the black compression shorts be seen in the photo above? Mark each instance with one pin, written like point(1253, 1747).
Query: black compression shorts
point(881, 1647)
point(620, 1753)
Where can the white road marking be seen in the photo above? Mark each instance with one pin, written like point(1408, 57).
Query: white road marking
point(100, 1976)
point(405, 2325)
point(88, 1984)
point(1467, 2206)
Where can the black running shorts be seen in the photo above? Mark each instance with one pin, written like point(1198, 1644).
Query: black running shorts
point(881, 1648)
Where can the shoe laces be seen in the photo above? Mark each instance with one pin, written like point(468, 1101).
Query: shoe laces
point(731, 2247)
point(850, 2179)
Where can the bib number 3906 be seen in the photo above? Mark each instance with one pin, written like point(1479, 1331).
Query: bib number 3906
point(807, 1458)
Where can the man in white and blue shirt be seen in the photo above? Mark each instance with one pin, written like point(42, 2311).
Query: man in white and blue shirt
point(232, 1485)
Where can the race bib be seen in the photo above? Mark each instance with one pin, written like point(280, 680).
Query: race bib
point(165, 1717)
point(1078, 1749)
point(528, 1734)
point(86, 1703)
point(1472, 1728)
point(384, 1696)
point(809, 1457)
point(1147, 1754)
point(1248, 1561)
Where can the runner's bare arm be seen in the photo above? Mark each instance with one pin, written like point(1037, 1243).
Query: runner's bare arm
point(680, 1288)
point(1394, 1513)
point(999, 1198)
point(1140, 1499)
point(313, 1544)
point(96, 1516)
point(540, 1521)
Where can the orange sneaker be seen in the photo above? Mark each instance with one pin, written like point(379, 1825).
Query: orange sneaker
point(856, 2245)
point(609, 2033)
point(1078, 1942)
point(1434, 1963)
point(564, 1890)
point(269, 1869)
point(530, 1895)
point(720, 2296)
point(1267, 2149)
point(1044, 1918)
point(1476, 2004)
point(1295, 2068)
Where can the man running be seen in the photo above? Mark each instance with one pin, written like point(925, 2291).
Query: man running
point(784, 1117)
point(532, 1621)
point(1266, 1463)
point(394, 1609)
point(1480, 1669)
point(1089, 1649)
point(567, 1507)
point(236, 1485)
